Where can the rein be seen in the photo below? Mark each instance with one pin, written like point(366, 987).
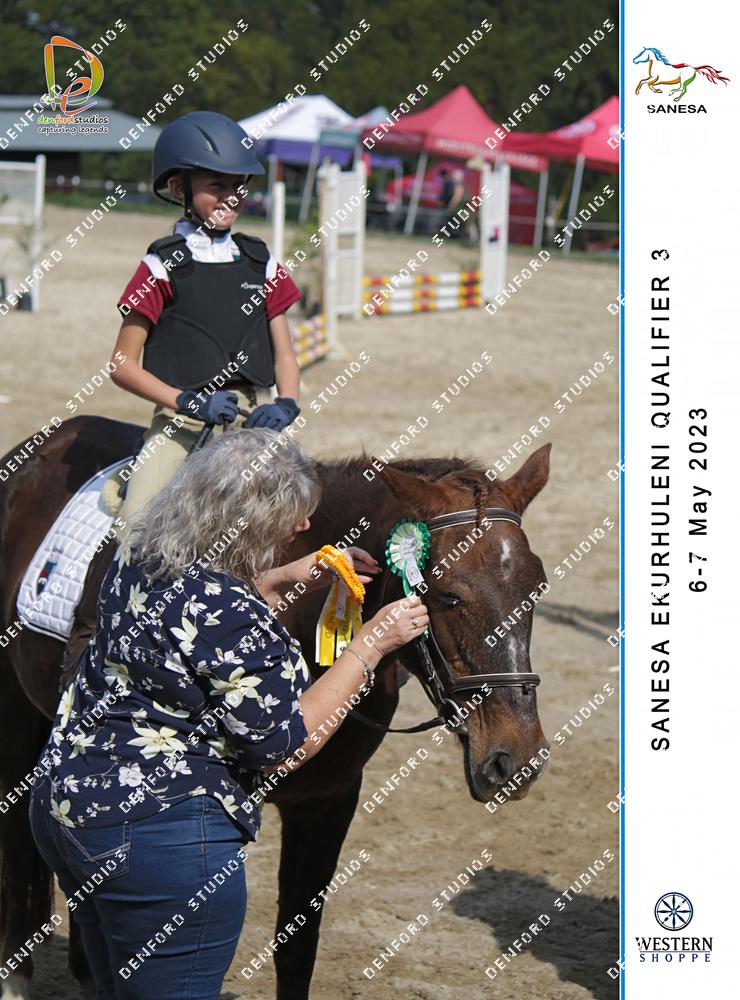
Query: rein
point(439, 683)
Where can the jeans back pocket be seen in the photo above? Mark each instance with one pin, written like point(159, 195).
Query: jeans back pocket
point(99, 853)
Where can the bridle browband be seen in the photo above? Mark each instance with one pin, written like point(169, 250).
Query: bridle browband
point(439, 684)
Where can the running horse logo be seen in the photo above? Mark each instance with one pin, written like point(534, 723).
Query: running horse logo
point(683, 76)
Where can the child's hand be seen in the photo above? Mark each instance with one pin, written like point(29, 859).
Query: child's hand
point(276, 415)
point(218, 407)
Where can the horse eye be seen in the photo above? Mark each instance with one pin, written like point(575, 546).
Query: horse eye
point(450, 598)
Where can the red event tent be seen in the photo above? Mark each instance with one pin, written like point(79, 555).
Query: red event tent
point(585, 143)
point(455, 126)
point(588, 137)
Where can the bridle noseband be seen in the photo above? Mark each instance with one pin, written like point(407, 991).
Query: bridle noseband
point(439, 684)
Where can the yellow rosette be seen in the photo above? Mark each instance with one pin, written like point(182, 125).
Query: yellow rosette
point(340, 617)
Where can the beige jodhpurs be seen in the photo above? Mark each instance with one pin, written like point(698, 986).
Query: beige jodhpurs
point(166, 445)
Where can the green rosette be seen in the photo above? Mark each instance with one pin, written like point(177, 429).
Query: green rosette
point(407, 550)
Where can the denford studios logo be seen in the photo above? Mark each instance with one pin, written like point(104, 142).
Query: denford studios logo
point(85, 75)
point(75, 98)
point(661, 72)
point(674, 912)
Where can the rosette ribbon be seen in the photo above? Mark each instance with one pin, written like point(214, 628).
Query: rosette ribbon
point(341, 617)
point(406, 552)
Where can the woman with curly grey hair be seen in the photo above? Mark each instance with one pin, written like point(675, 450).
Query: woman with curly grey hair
point(189, 689)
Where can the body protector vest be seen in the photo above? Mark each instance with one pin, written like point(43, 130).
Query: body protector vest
point(204, 329)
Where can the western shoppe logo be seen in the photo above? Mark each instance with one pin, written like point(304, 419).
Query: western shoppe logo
point(674, 912)
point(661, 72)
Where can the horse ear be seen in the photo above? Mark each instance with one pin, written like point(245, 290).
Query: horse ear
point(414, 493)
point(527, 482)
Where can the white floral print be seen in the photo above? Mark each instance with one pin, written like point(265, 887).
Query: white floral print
point(131, 776)
point(194, 607)
point(80, 744)
point(228, 802)
point(180, 713)
point(136, 600)
point(237, 687)
point(66, 706)
point(155, 741)
point(159, 740)
point(60, 810)
point(117, 672)
point(187, 634)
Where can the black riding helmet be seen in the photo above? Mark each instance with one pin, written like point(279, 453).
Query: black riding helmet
point(200, 139)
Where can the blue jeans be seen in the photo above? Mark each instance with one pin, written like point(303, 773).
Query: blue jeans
point(160, 902)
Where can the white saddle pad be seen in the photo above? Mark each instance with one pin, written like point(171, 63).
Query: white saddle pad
point(52, 585)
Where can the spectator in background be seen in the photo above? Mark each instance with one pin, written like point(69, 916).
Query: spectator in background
point(448, 188)
point(454, 197)
point(459, 192)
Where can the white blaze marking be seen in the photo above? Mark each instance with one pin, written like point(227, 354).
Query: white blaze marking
point(517, 654)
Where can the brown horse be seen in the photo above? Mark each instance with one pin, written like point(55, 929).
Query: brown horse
point(316, 803)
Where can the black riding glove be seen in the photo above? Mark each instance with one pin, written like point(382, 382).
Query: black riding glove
point(216, 408)
point(276, 415)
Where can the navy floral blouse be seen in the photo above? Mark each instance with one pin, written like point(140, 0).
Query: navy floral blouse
point(188, 687)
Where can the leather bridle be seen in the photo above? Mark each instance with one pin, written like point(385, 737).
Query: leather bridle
point(439, 683)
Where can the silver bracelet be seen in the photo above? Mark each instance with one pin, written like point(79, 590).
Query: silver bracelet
point(369, 671)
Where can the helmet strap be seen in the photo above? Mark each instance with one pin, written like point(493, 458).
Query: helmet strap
point(191, 215)
point(189, 212)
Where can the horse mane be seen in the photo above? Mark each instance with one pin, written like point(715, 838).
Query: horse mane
point(463, 472)
point(661, 56)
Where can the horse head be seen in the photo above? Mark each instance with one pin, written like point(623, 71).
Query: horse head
point(479, 579)
point(644, 56)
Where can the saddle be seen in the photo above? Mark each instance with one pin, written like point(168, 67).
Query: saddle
point(58, 594)
point(84, 618)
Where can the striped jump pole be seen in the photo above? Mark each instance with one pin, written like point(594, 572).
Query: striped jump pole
point(310, 341)
point(446, 290)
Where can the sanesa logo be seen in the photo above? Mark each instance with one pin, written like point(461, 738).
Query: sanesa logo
point(674, 911)
point(661, 72)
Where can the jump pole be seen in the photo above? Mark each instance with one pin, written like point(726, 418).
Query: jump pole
point(342, 217)
point(452, 290)
point(277, 209)
point(494, 229)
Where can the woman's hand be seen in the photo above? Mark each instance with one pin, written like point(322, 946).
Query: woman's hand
point(365, 565)
point(395, 625)
point(306, 571)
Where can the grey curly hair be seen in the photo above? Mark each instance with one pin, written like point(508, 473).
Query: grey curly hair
point(231, 506)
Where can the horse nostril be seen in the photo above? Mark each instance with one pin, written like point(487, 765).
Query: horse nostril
point(498, 767)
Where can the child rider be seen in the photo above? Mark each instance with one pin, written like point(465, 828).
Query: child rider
point(203, 355)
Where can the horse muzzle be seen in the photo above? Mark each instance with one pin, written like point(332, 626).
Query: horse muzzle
point(507, 775)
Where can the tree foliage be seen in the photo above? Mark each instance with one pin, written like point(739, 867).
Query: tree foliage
point(163, 41)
